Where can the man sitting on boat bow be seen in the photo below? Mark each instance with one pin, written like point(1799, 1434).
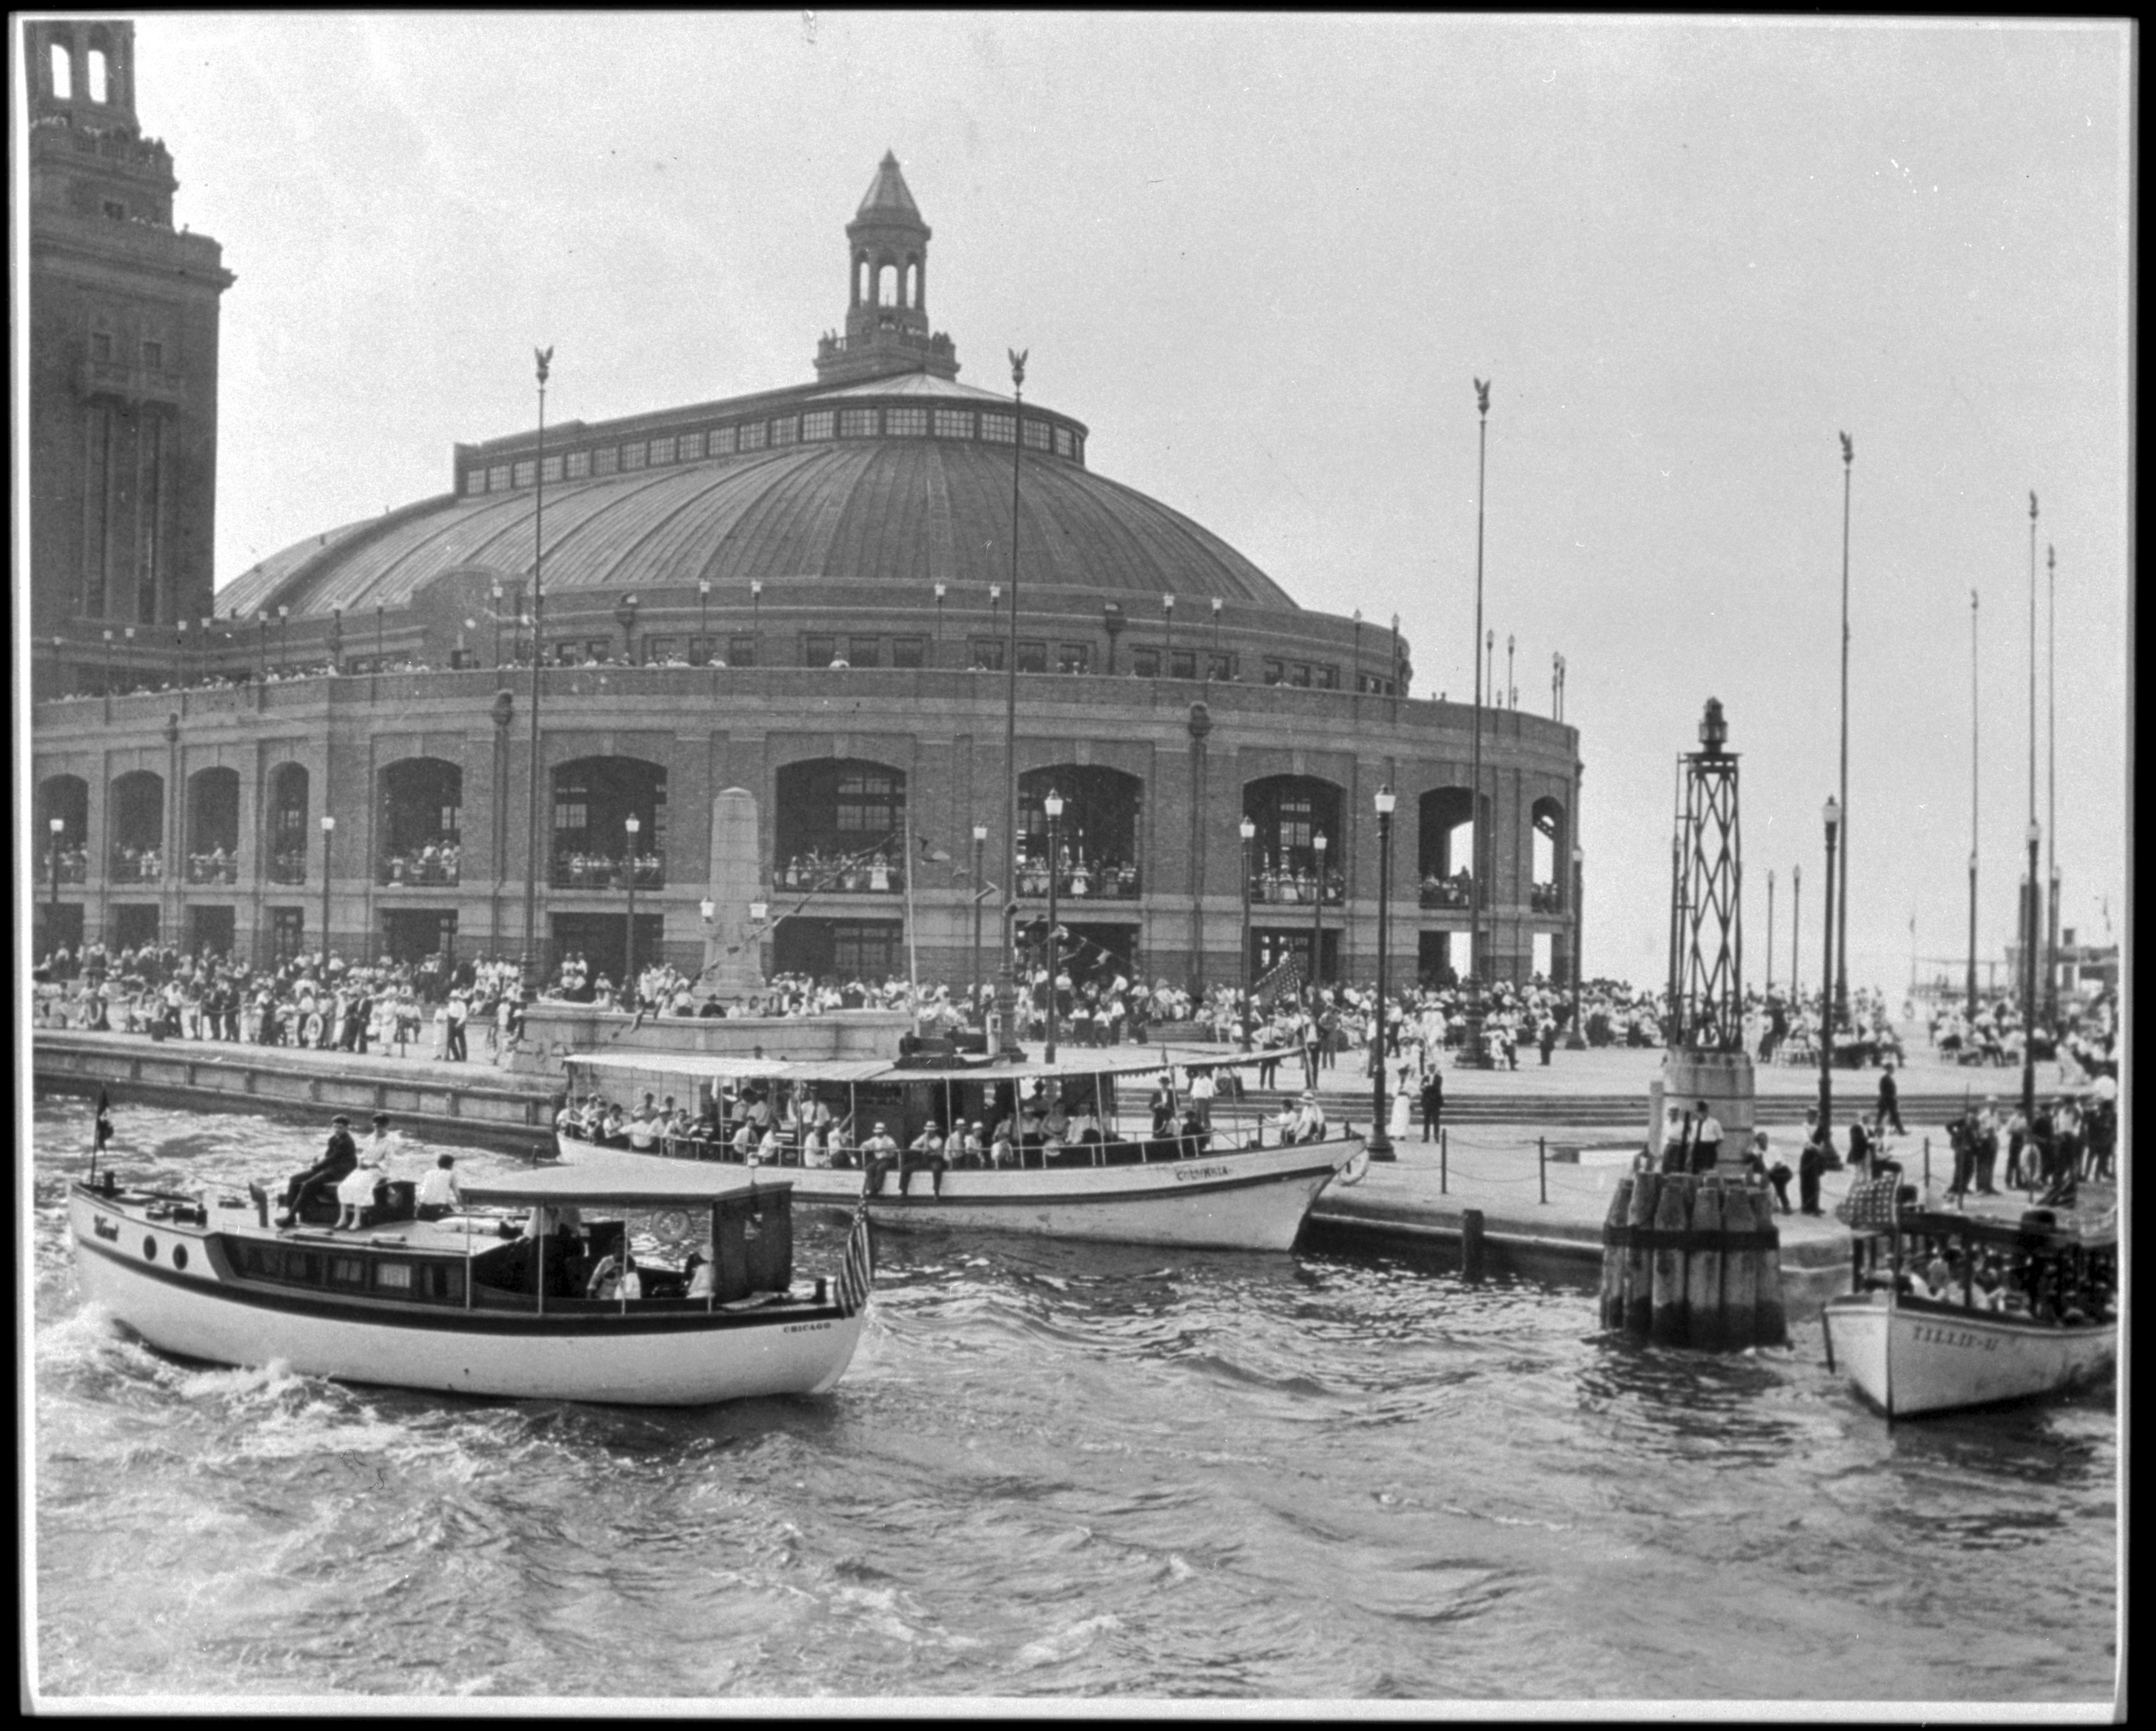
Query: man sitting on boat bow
point(337, 1161)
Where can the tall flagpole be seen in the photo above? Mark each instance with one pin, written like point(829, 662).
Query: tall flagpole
point(1007, 987)
point(1840, 891)
point(2051, 789)
point(1974, 712)
point(2031, 924)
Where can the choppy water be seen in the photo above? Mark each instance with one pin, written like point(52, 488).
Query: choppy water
point(1061, 1469)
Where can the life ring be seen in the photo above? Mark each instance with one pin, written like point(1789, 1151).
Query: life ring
point(671, 1227)
point(1358, 1166)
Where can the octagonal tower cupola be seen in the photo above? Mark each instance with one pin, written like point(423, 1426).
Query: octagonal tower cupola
point(887, 291)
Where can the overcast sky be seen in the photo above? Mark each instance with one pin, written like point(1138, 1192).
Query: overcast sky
point(1263, 257)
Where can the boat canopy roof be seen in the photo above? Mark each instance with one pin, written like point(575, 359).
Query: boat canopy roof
point(1982, 1229)
point(726, 1066)
point(636, 1182)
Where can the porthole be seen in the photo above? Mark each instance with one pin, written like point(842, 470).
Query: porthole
point(179, 1255)
point(150, 1248)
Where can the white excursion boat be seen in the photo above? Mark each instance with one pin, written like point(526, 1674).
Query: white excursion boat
point(1216, 1176)
point(485, 1302)
point(1953, 1311)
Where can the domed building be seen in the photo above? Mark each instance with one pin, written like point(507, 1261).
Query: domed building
point(809, 595)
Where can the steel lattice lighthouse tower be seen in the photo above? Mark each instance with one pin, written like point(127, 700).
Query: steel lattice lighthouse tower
point(1706, 1060)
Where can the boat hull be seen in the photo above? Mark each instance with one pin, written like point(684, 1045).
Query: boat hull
point(1915, 1357)
point(675, 1357)
point(1248, 1199)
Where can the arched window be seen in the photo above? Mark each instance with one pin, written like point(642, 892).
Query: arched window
point(212, 837)
point(841, 824)
point(1549, 882)
point(886, 294)
point(137, 827)
point(1290, 813)
point(1446, 846)
point(288, 838)
point(1097, 839)
point(65, 798)
point(861, 282)
point(594, 798)
point(422, 822)
point(98, 89)
point(912, 283)
point(63, 72)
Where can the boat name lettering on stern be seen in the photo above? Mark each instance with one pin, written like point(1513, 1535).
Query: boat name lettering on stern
point(1183, 1175)
point(1954, 1337)
point(806, 1327)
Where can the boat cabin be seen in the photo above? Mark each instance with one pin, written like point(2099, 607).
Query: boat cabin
point(2033, 1269)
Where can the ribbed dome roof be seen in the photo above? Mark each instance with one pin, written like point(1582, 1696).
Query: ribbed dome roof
point(907, 510)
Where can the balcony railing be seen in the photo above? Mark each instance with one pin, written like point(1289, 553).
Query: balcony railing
point(74, 866)
point(1447, 892)
point(1285, 888)
point(213, 868)
point(573, 870)
point(289, 867)
point(839, 877)
point(1081, 883)
point(128, 866)
point(426, 869)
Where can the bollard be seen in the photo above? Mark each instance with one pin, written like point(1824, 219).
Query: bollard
point(1639, 1280)
point(1666, 1292)
point(1470, 1243)
point(1703, 1273)
point(1541, 1165)
point(1742, 1210)
point(1443, 1144)
point(1613, 1256)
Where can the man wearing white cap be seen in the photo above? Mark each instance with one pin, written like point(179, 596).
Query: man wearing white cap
point(1309, 1119)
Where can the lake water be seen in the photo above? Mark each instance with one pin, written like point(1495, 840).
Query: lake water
point(1058, 1470)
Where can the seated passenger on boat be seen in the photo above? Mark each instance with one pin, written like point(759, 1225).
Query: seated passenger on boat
point(1002, 1152)
point(1309, 1119)
point(326, 1174)
point(879, 1155)
point(964, 1147)
point(615, 1277)
point(924, 1154)
point(643, 1128)
point(703, 1274)
point(770, 1147)
point(1085, 1126)
point(437, 1195)
point(362, 1188)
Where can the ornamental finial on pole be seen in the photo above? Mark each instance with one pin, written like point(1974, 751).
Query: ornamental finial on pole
point(1848, 451)
point(2032, 504)
point(1017, 367)
point(544, 356)
point(1482, 396)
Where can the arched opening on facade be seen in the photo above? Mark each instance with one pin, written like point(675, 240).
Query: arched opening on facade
point(137, 828)
point(99, 82)
point(1441, 957)
point(211, 929)
point(1096, 837)
point(213, 826)
point(1445, 845)
point(594, 799)
point(287, 839)
point(860, 278)
point(67, 799)
point(868, 951)
point(134, 924)
point(887, 285)
point(840, 828)
point(413, 934)
point(422, 822)
point(1291, 812)
point(913, 284)
point(1549, 881)
point(62, 70)
point(1279, 960)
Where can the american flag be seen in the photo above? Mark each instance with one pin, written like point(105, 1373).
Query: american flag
point(857, 1273)
point(1284, 980)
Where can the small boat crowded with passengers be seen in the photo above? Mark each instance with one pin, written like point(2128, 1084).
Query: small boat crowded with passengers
point(1950, 1310)
point(529, 1288)
point(1034, 1146)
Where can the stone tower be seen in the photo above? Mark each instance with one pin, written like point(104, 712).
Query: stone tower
point(123, 371)
point(887, 310)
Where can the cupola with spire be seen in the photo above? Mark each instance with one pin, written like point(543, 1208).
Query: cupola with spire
point(887, 291)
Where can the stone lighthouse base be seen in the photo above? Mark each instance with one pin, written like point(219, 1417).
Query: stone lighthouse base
point(1722, 1079)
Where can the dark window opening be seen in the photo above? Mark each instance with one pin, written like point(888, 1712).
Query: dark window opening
point(864, 651)
point(1146, 663)
point(1032, 657)
point(1074, 658)
point(909, 651)
point(985, 652)
point(1182, 664)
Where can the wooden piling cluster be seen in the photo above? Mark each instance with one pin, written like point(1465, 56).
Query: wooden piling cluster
point(1693, 1261)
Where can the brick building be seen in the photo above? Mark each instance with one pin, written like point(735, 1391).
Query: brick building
point(803, 593)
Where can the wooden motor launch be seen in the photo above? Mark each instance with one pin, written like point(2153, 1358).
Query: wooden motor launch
point(1219, 1179)
point(483, 1302)
point(1951, 1311)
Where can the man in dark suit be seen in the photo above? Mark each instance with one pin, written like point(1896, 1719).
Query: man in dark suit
point(338, 1159)
point(1433, 1103)
point(1890, 1101)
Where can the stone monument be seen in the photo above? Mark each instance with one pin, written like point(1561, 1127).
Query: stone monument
point(733, 943)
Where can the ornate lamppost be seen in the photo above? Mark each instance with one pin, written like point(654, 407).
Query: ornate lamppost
point(108, 661)
point(1168, 617)
point(1248, 830)
point(284, 642)
point(628, 875)
point(1317, 919)
point(980, 896)
point(624, 615)
point(1380, 1144)
point(1053, 805)
point(1217, 605)
point(543, 359)
point(756, 622)
point(58, 828)
point(329, 831)
point(1476, 1056)
point(1112, 622)
point(1576, 1040)
point(942, 590)
point(1826, 979)
point(704, 617)
point(1796, 939)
